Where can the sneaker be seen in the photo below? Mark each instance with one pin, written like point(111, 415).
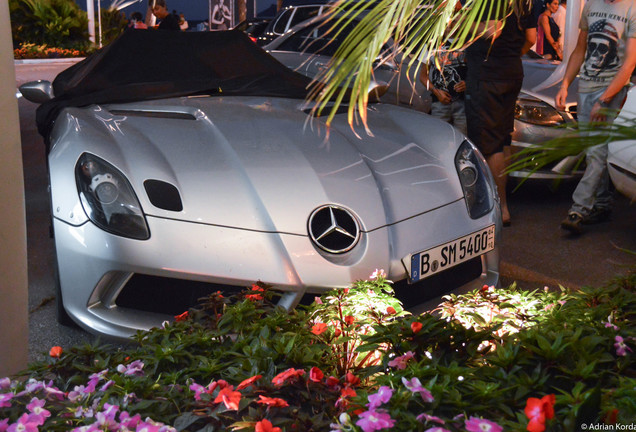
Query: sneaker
point(597, 215)
point(572, 223)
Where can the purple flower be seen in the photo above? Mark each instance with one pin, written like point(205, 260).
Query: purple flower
point(32, 386)
point(38, 413)
point(415, 386)
point(197, 389)
point(4, 400)
point(5, 383)
point(375, 420)
point(429, 418)
point(620, 345)
point(108, 384)
point(24, 424)
point(437, 429)
point(475, 424)
point(135, 368)
point(400, 362)
point(382, 396)
point(53, 392)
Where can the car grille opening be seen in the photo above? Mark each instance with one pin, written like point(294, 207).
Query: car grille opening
point(437, 285)
point(167, 295)
point(174, 296)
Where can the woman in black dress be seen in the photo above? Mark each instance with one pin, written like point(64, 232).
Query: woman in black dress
point(548, 37)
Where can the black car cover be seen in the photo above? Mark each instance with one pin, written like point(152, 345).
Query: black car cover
point(154, 64)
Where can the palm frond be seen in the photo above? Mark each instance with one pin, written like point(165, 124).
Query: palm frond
point(416, 27)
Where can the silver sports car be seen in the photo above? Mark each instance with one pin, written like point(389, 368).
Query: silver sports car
point(177, 174)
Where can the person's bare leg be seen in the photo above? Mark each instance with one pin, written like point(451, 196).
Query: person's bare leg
point(497, 163)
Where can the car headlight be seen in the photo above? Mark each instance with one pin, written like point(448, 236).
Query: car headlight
point(532, 110)
point(477, 182)
point(108, 199)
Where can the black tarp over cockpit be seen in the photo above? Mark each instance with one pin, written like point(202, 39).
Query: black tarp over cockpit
point(152, 64)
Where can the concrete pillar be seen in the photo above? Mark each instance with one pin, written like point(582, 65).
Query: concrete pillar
point(13, 252)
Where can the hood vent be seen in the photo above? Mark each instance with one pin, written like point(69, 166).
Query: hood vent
point(163, 195)
point(155, 114)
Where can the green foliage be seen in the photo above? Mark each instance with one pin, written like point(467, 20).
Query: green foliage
point(55, 23)
point(114, 22)
point(235, 363)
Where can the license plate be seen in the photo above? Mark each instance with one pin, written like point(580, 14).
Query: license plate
point(427, 263)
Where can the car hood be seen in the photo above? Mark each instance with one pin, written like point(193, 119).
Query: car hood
point(263, 164)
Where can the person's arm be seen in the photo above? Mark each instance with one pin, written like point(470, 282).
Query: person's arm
point(618, 82)
point(574, 64)
point(531, 39)
point(441, 95)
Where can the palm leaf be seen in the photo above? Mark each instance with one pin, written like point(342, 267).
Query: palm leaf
point(417, 27)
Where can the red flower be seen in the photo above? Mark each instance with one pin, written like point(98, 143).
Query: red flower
point(416, 326)
point(332, 382)
point(229, 398)
point(315, 374)
point(56, 352)
point(248, 382)
point(349, 320)
point(275, 402)
point(265, 426)
point(351, 380)
point(319, 328)
point(255, 297)
point(288, 374)
point(390, 310)
point(184, 316)
point(538, 410)
point(346, 392)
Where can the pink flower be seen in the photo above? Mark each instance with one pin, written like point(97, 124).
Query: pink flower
point(400, 362)
point(415, 386)
point(4, 400)
point(621, 346)
point(38, 413)
point(437, 429)
point(4, 425)
point(382, 396)
point(430, 418)
point(475, 424)
point(375, 420)
point(134, 369)
point(24, 424)
point(377, 274)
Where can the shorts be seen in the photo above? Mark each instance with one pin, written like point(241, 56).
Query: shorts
point(490, 113)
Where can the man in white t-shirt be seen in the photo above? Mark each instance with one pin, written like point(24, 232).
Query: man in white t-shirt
point(604, 58)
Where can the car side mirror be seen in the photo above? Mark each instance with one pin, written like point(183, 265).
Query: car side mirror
point(377, 89)
point(37, 91)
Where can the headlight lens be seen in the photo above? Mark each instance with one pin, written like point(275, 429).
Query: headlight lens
point(532, 110)
point(108, 199)
point(476, 180)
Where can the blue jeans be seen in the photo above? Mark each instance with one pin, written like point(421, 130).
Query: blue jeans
point(453, 113)
point(593, 189)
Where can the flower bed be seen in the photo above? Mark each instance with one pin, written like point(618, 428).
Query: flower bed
point(492, 360)
point(33, 51)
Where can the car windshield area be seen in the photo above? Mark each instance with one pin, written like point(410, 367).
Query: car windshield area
point(319, 38)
